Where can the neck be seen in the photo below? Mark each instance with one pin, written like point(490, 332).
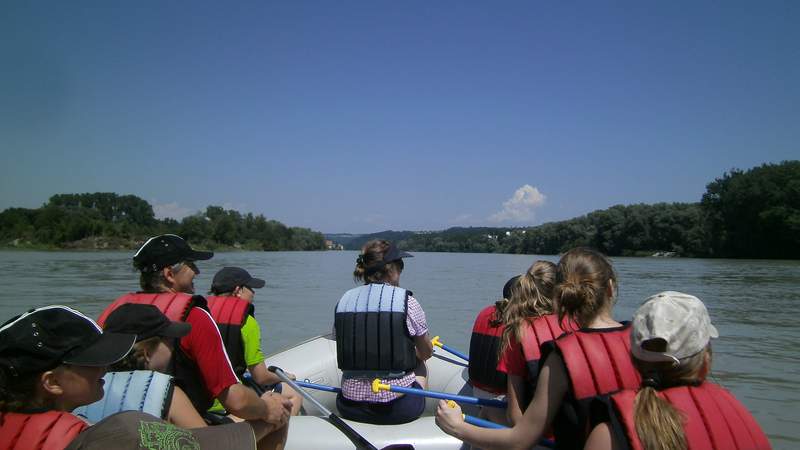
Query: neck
point(604, 320)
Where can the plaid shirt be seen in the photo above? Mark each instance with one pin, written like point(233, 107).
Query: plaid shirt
point(360, 389)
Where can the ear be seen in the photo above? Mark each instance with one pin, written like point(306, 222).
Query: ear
point(610, 289)
point(168, 274)
point(706, 369)
point(50, 383)
point(236, 291)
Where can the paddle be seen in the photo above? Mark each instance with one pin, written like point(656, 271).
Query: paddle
point(438, 343)
point(359, 441)
point(467, 418)
point(478, 422)
point(377, 386)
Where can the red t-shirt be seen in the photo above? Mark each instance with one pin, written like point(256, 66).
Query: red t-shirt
point(512, 361)
point(204, 345)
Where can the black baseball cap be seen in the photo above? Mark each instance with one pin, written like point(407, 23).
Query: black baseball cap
point(145, 321)
point(44, 338)
point(135, 430)
point(164, 250)
point(507, 289)
point(228, 278)
point(393, 254)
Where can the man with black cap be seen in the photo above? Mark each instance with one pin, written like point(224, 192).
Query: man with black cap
point(200, 363)
point(52, 360)
point(231, 305)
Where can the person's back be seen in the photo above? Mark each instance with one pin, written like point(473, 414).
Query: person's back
point(395, 316)
point(584, 294)
point(675, 407)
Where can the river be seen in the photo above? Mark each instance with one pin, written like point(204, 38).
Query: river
point(751, 302)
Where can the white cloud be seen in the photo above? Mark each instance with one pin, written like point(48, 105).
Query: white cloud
point(520, 206)
point(171, 210)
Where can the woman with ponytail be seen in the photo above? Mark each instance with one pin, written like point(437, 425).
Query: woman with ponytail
point(577, 366)
point(381, 332)
point(529, 322)
point(675, 408)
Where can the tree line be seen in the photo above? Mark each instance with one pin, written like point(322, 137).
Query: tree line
point(124, 221)
point(743, 214)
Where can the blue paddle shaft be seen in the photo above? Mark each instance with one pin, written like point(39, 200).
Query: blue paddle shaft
point(456, 352)
point(478, 422)
point(446, 396)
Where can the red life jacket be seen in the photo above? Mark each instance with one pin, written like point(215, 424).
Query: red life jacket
point(597, 361)
point(484, 346)
point(539, 331)
point(230, 314)
point(176, 306)
point(714, 418)
point(51, 430)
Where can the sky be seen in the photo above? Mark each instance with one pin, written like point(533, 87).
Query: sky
point(357, 117)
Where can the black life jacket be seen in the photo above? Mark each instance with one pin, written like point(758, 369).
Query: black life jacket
point(176, 306)
point(713, 419)
point(372, 338)
point(597, 361)
point(484, 346)
point(51, 430)
point(230, 314)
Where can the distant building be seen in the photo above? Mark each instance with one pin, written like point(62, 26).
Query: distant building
point(330, 245)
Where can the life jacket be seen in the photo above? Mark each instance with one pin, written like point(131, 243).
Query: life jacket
point(51, 430)
point(539, 331)
point(484, 346)
point(230, 314)
point(597, 361)
point(176, 306)
point(139, 390)
point(372, 339)
point(713, 418)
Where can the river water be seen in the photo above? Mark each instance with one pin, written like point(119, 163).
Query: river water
point(751, 302)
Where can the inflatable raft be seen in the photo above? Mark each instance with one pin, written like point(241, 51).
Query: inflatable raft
point(315, 361)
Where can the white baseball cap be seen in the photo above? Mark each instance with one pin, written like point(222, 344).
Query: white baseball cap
point(681, 320)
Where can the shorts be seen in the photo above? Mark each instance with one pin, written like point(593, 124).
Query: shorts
point(403, 409)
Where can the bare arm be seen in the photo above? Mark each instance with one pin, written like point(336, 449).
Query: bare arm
point(243, 402)
point(600, 439)
point(550, 391)
point(181, 411)
point(515, 397)
point(261, 375)
point(424, 347)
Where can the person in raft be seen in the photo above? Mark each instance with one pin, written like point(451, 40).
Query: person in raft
point(393, 318)
point(675, 407)
point(530, 323)
point(578, 366)
point(52, 360)
point(231, 303)
point(200, 363)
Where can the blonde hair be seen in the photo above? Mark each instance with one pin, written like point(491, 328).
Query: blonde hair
point(368, 265)
point(583, 278)
point(659, 425)
point(531, 296)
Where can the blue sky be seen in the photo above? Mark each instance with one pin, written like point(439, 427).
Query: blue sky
point(366, 116)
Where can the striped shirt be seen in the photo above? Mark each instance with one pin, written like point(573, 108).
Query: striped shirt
point(360, 389)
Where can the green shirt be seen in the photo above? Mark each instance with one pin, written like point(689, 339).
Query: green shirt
point(251, 338)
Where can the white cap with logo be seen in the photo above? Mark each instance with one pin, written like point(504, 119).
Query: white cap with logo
point(680, 320)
